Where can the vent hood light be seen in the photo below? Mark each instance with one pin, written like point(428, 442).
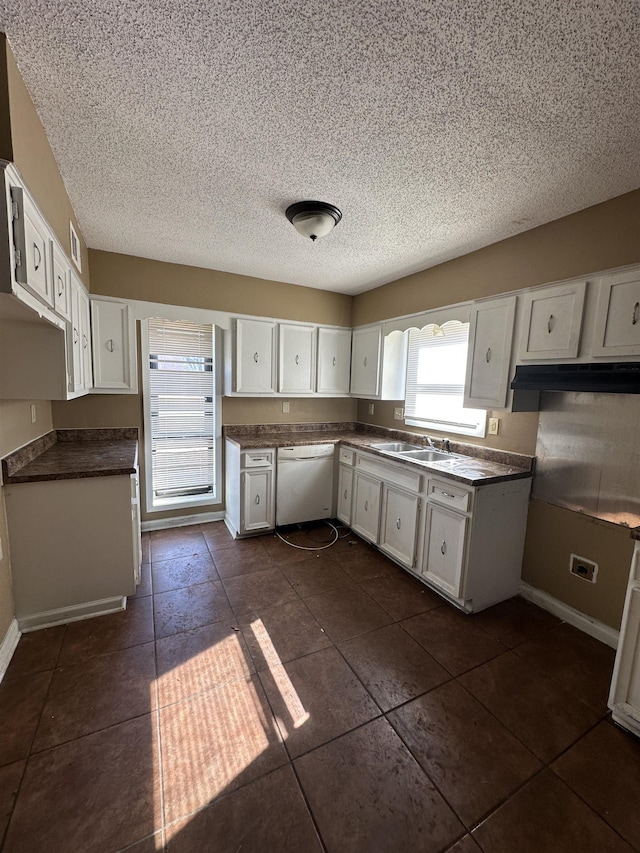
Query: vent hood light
point(601, 378)
point(313, 219)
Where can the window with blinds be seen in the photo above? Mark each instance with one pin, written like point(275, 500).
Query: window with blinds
point(436, 367)
point(181, 411)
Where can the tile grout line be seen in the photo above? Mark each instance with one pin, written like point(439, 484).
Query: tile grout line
point(158, 723)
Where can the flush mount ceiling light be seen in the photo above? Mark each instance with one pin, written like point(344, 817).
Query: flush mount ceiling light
point(313, 219)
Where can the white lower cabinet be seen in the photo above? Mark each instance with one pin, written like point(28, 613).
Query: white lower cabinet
point(445, 537)
point(250, 490)
point(399, 525)
point(345, 494)
point(366, 507)
point(624, 697)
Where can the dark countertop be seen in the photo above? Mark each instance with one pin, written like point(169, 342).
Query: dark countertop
point(73, 454)
point(489, 466)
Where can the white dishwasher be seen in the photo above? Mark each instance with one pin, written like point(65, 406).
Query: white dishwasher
point(304, 483)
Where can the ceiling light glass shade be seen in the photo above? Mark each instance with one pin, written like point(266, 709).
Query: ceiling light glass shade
point(313, 219)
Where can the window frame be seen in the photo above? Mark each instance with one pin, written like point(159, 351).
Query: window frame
point(441, 425)
point(186, 501)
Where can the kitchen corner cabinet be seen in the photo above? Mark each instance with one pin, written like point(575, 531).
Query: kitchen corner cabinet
point(296, 358)
point(378, 364)
point(85, 558)
point(254, 347)
point(489, 353)
point(624, 697)
point(552, 322)
point(617, 324)
point(333, 361)
point(250, 490)
point(113, 345)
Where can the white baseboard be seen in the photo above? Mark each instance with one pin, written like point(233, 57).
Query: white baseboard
point(74, 613)
point(569, 614)
point(182, 521)
point(8, 646)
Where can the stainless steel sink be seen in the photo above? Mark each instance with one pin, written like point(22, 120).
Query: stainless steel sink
point(395, 446)
point(429, 455)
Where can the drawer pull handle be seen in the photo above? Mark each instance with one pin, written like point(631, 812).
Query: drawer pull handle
point(447, 494)
point(443, 548)
point(345, 494)
point(60, 285)
point(297, 359)
point(366, 506)
point(36, 261)
point(550, 323)
point(110, 344)
point(334, 358)
point(488, 356)
point(76, 337)
point(257, 499)
point(398, 523)
point(255, 357)
point(84, 341)
point(634, 316)
point(365, 361)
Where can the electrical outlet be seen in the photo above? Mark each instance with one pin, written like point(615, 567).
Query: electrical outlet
point(285, 408)
point(494, 426)
point(398, 414)
point(583, 568)
point(33, 413)
point(370, 408)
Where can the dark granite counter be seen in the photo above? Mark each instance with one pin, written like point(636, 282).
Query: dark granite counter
point(74, 454)
point(470, 464)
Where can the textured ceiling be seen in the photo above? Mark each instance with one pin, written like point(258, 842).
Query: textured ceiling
point(184, 129)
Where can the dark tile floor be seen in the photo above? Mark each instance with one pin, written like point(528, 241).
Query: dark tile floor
point(256, 697)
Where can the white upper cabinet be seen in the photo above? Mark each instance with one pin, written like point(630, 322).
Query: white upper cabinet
point(74, 338)
point(254, 356)
point(296, 358)
point(552, 322)
point(334, 361)
point(61, 288)
point(31, 242)
point(617, 325)
point(85, 337)
point(490, 338)
point(365, 362)
point(113, 347)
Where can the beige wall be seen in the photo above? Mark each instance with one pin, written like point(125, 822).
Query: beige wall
point(553, 534)
point(175, 284)
point(6, 147)
point(598, 238)
point(34, 158)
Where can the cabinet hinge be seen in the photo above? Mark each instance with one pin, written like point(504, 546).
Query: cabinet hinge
point(15, 210)
point(18, 257)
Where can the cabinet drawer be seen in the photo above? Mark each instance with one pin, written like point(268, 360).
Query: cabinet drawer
point(397, 474)
point(257, 458)
point(449, 495)
point(346, 456)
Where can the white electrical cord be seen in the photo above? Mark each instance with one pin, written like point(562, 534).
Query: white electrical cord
point(336, 536)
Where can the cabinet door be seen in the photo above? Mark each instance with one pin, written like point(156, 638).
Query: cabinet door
point(365, 362)
point(489, 353)
point(85, 336)
point(74, 338)
point(345, 493)
point(61, 289)
point(617, 326)
point(257, 500)
point(255, 343)
point(113, 346)
point(624, 697)
point(297, 358)
point(334, 361)
point(444, 549)
point(552, 322)
point(366, 507)
point(399, 525)
point(31, 238)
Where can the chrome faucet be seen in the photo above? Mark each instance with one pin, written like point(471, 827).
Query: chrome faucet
point(430, 442)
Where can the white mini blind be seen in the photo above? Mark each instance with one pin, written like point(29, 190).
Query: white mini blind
point(182, 401)
point(436, 367)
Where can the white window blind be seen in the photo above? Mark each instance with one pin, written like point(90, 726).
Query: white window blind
point(436, 367)
point(182, 410)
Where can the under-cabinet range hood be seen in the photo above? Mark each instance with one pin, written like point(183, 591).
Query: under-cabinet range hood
point(604, 378)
